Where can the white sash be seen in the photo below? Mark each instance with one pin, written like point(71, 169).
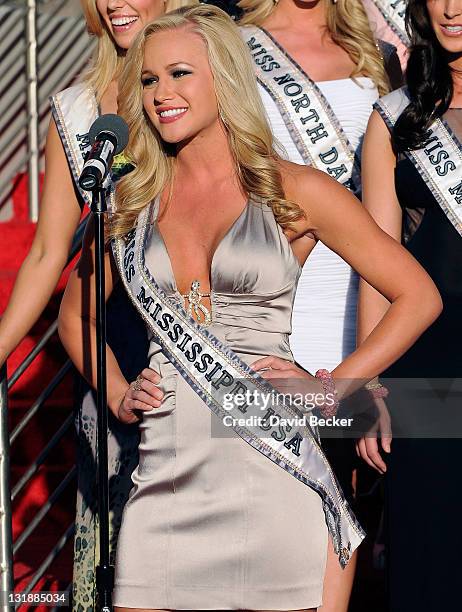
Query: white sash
point(213, 370)
point(393, 12)
point(74, 111)
point(439, 163)
point(309, 118)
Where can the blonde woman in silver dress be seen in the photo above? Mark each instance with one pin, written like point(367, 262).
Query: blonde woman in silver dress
point(211, 523)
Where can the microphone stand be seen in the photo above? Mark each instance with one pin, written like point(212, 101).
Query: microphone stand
point(104, 571)
point(109, 135)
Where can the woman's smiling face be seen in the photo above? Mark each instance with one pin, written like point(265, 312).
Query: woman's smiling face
point(125, 18)
point(446, 20)
point(178, 87)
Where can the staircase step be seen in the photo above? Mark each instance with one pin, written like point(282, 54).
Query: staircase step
point(59, 574)
point(33, 440)
point(35, 494)
point(21, 196)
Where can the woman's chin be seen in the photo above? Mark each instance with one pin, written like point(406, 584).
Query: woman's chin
point(124, 40)
point(176, 136)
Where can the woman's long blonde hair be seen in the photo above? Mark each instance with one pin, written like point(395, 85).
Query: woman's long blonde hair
point(349, 27)
point(107, 60)
point(240, 108)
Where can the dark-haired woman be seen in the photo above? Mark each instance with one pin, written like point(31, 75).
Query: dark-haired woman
point(412, 185)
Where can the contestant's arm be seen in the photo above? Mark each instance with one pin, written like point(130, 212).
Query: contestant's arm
point(77, 330)
point(41, 269)
point(77, 319)
point(380, 200)
point(339, 220)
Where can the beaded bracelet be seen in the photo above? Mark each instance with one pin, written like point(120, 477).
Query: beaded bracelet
point(377, 390)
point(328, 386)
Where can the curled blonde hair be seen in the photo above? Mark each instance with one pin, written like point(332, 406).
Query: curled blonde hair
point(107, 61)
point(349, 27)
point(240, 107)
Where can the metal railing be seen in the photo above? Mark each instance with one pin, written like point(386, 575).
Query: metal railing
point(8, 548)
point(33, 144)
point(43, 48)
point(42, 51)
point(6, 532)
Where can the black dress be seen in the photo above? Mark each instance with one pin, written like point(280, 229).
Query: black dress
point(424, 476)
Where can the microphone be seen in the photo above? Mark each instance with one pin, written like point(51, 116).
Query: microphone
point(108, 136)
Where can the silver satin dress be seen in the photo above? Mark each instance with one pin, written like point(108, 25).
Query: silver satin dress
point(211, 523)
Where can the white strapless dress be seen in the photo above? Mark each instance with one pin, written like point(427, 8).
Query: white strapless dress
point(324, 314)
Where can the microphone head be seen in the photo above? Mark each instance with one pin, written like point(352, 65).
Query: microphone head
point(113, 124)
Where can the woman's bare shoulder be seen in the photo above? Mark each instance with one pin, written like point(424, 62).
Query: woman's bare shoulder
point(305, 185)
point(317, 194)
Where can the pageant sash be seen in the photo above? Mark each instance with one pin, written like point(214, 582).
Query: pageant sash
point(439, 163)
point(311, 122)
point(393, 11)
point(74, 111)
point(223, 381)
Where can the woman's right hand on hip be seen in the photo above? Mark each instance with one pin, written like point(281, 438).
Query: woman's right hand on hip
point(142, 395)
